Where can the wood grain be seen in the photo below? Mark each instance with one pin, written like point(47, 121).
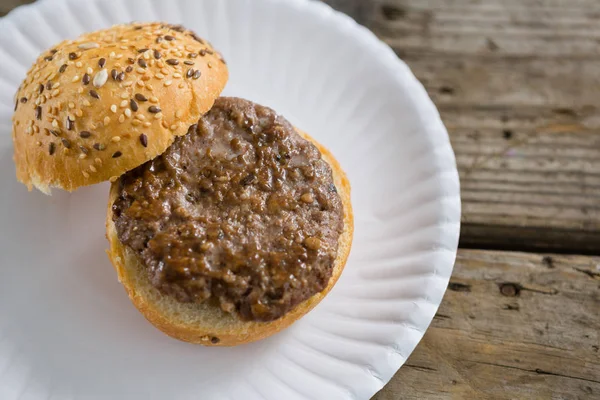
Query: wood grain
point(516, 83)
point(511, 326)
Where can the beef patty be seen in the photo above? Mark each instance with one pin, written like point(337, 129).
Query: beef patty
point(241, 211)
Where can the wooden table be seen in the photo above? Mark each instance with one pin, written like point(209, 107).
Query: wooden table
point(518, 85)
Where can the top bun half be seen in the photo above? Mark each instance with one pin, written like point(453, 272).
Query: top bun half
point(96, 107)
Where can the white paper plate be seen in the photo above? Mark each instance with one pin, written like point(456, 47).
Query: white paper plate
point(67, 329)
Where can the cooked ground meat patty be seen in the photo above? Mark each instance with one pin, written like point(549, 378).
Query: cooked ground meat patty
point(242, 211)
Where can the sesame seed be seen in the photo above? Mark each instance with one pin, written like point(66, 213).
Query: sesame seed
point(84, 134)
point(197, 74)
point(158, 116)
point(172, 61)
point(106, 120)
point(149, 87)
point(100, 78)
point(154, 109)
point(23, 100)
point(79, 113)
point(134, 105)
point(99, 146)
point(80, 90)
point(140, 71)
point(121, 118)
point(121, 77)
point(157, 54)
point(79, 64)
point(86, 79)
point(69, 124)
point(135, 122)
point(98, 161)
point(147, 124)
point(66, 143)
point(173, 127)
point(117, 154)
point(54, 133)
point(75, 78)
point(112, 54)
point(63, 68)
point(86, 103)
point(188, 62)
point(73, 56)
point(209, 65)
point(86, 175)
point(113, 74)
point(93, 169)
point(169, 38)
point(127, 84)
point(90, 70)
point(176, 75)
point(144, 140)
point(71, 105)
point(146, 56)
point(129, 69)
point(41, 89)
point(94, 94)
point(51, 148)
point(102, 62)
point(140, 97)
point(116, 139)
point(178, 114)
point(29, 130)
point(142, 63)
point(84, 149)
point(159, 76)
point(36, 129)
point(55, 123)
point(113, 179)
point(164, 45)
point(124, 95)
point(168, 83)
point(128, 112)
point(142, 50)
point(124, 104)
point(140, 83)
point(165, 125)
point(113, 108)
point(38, 113)
point(123, 47)
point(49, 85)
point(153, 99)
point(88, 46)
point(159, 39)
point(193, 55)
point(202, 52)
point(190, 73)
point(55, 93)
point(181, 85)
point(165, 71)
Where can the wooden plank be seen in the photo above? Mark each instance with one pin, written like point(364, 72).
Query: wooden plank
point(516, 83)
point(511, 326)
point(7, 5)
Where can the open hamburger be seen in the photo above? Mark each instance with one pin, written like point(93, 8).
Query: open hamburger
point(226, 224)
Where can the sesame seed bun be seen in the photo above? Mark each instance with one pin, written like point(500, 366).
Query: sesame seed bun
point(96, 107)
point(205, 323)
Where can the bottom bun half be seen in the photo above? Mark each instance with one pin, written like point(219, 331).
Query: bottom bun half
point(205, 323)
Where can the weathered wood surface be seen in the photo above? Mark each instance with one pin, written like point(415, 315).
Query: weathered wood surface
point(511, 326)
point(516, 83)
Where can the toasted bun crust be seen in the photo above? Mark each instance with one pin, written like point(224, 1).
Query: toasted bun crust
point(66, 135)
point(204, 323)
